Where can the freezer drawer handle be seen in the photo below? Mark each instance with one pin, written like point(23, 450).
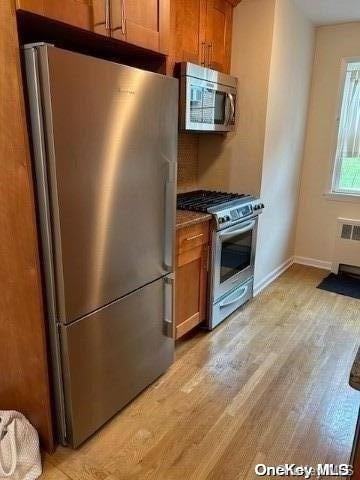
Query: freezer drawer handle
point(230, 302)
point(169, 306)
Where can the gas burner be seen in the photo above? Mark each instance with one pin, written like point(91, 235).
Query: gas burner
point(203, 200)
point(226, 208)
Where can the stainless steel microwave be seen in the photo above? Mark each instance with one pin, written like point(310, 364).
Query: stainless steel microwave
point(207, 99)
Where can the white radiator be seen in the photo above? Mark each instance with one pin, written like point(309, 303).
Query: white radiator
point(347, 246)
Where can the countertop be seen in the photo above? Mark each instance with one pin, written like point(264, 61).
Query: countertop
point(355, 372)
point(185, 218)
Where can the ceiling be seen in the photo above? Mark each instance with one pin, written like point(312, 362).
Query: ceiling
point(326, 12)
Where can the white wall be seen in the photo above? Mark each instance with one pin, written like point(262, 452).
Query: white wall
point(289, 86)
point(317, 219)
point(233, 162)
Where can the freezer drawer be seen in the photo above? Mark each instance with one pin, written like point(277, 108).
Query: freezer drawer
point(228, 304)
point(110, 356)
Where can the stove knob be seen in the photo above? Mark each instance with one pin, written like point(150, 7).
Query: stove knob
point(262, 205)
point(256, 207)
point(221, 220)
point(227, 218)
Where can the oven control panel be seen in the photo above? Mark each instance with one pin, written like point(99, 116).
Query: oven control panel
point(241, 212)
point(236, 214)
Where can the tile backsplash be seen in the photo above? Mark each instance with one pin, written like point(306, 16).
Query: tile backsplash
point(188, 162)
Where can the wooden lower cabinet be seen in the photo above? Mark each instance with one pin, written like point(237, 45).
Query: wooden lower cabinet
point(191, 277)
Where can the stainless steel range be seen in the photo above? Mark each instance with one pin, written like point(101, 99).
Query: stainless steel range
point(233, 247)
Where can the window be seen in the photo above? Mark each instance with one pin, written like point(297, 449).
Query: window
point(346, 175)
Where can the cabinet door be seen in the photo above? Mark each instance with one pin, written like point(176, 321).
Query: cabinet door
point(142, 22)
point(189, 31)
point(73, 12)
point(191, 289)
point(218, 34)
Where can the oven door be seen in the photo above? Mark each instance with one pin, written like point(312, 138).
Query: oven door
point(233, 257)
point(207, 106)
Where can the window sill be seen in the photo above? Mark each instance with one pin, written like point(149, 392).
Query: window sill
point(342, 197)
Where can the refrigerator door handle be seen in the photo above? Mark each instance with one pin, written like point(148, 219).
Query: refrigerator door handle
point(169, 283)
point(170, 209)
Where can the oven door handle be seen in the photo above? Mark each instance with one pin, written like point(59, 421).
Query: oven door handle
point(230, 302)
point(249, 226)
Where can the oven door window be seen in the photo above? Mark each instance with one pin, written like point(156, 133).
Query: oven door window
point(235, 255)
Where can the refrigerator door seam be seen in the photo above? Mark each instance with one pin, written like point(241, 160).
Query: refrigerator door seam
point(39, 151)
point(50, 166)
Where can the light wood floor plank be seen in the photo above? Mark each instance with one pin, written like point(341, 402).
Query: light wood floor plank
point(270, 385)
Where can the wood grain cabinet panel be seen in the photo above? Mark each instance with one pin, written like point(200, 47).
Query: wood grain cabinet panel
point(218, 34)
point(74, 12)
point(145, 23)
point(141, 22)
point(24, 380)
point(201, 33)
point(191, 277)
point(189, 23)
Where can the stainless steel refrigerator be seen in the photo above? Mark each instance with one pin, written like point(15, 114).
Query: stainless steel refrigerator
point(105, 146)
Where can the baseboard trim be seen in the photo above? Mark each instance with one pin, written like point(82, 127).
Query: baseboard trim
point(313, 262)
point(272, 276)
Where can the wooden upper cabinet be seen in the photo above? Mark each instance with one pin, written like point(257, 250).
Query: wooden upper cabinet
point(147, 23)
point(189, 40)
point(201, 33)
point(74, 12)
point(144, 23)
point(218, 32)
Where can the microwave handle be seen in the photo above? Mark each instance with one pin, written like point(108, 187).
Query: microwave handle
point(232, 108)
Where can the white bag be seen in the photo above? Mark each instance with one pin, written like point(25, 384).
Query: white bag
point(19, 448)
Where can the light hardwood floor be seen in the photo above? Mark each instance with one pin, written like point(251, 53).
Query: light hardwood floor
point(270, 386)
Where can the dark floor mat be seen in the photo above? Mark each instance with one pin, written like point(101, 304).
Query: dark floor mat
point(341, 284)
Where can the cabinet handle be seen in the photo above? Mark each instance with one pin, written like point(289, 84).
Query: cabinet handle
point(123, 17)
point(122, 26)
point(107, 15)
point(194, 237)
point(210, 54)
point(203, 54)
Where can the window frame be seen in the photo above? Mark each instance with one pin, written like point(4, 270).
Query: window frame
point(334, 191)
